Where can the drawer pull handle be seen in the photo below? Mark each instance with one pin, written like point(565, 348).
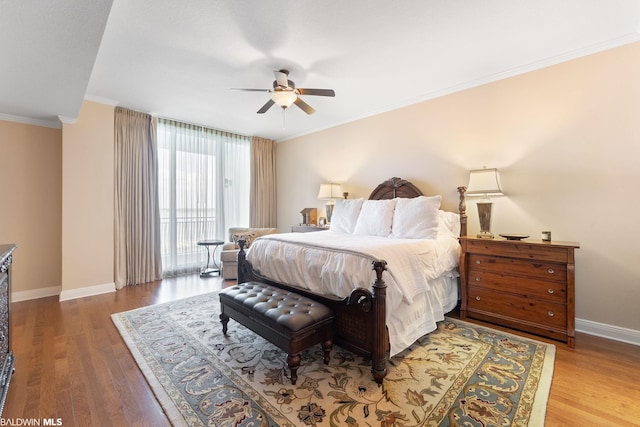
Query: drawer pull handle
point(550, 271)
point(477, 298)
point(477, 279)
point(550, 313)
point(477, 261)
point(550, 290)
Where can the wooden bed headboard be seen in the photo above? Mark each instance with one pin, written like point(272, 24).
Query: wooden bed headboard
point(398, 187)
point(395, 187)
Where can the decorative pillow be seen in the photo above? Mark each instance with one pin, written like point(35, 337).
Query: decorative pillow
point(449, 223)
point(248, 237)
point(345, 215)
point(376, 217)
point(416, 218)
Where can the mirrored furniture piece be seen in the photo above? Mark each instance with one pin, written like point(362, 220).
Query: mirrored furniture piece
point(7, 359)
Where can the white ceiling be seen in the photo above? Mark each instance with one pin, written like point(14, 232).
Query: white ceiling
point(180, 59)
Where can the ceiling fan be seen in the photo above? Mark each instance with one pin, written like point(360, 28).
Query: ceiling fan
point(285, 93)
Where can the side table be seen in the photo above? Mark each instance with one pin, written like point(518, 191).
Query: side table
point(307, 228)
point(211, 257)
point(521, 284)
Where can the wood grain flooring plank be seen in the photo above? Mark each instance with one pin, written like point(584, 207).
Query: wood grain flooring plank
point(83, 379)
point(64, 407)
point(83, 413)
point(146, 405)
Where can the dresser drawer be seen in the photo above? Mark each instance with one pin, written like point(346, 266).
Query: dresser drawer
point(536, 288)
point(541, 270)
point(524, 250)
point(525, 309)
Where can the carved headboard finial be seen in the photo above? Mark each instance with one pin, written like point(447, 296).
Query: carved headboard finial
point(395, 182)
point(395, 187)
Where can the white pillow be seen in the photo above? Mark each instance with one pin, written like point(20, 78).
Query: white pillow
point(449, 223)
point(376, 217)
point(416, 218)
point(345, 215)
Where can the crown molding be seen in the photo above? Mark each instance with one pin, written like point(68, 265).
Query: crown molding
point(67, 120)
point(30, 121)
point(101, 100)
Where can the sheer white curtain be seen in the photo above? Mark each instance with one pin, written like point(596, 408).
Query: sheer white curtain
point(204, 184)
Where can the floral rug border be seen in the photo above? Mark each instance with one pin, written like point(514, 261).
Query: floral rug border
point(530, 411)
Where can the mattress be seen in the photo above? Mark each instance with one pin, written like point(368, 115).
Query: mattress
point(421, 274)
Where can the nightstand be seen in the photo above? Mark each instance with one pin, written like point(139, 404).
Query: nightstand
point(522, 284)
point(307, 228)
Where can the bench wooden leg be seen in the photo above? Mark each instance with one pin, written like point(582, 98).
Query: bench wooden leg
point(224, 319)
point(293, 362)
point(326, 348)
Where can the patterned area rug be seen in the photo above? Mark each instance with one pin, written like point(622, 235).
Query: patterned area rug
point(460, 374)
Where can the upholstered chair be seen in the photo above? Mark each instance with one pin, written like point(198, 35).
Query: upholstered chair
point(229, 253)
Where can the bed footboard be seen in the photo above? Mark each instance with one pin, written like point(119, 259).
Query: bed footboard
point(360, 324)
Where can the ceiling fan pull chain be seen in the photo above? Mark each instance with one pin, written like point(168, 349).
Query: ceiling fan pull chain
point(284, 123)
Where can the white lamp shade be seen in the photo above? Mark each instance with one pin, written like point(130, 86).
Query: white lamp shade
point(484, 182)
point(284, 99)
point(330, 191)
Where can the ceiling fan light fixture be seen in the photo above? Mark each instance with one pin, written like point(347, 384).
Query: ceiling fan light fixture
point(284, 99)
point(284, 93)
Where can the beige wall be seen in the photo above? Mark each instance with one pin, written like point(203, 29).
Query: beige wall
point(57, 205)
point(87, 202)
point(30, 205)
point(566, 139)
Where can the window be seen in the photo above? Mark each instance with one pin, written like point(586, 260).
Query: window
point(204, 180)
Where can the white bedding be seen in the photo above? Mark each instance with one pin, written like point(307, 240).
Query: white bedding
point(420, 277)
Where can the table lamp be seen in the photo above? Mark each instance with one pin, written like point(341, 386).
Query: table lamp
point(484, 183)
point(330, 192)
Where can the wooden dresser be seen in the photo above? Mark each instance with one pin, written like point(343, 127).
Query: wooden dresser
point(6, 356)
point(527, 285)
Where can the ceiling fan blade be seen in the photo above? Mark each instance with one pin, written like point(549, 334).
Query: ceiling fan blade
point(282, 77)
point(251, 90)
point(317, 92)
point(304, 106)
point(266, 106)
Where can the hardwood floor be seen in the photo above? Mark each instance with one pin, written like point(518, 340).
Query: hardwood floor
point(72, 365)
point(596, 384)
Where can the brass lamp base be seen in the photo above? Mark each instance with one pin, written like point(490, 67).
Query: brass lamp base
point(329, 211)
point(484, 214)
point(485, 235)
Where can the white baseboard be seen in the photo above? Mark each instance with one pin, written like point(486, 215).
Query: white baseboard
point(63, 295)
point(87, 292)
point(35, 294)
point(616, 333)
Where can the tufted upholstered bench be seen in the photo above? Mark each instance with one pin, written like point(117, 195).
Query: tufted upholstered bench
point(286, 319)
